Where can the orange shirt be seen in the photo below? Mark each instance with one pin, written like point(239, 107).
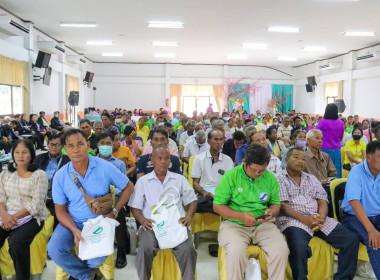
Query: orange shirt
point(125, 155)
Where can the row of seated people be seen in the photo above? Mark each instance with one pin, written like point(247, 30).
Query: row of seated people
point(215, 132)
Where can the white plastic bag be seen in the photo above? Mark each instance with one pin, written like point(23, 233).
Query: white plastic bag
point(99, 237)
point(253, 271)
point(168, 231)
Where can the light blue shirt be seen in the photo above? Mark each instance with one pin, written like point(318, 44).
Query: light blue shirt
point(51, 167)
point(120, 165)
point(362, 186)
point(96, 183)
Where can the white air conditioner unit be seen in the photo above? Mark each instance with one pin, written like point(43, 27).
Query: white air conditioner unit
point(12, 27)
point(77, 59)
point(51, 47)
point(369, 57)
point(330, 65)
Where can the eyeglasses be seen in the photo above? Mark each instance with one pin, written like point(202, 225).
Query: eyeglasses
point(253, 170)
point(55, 145)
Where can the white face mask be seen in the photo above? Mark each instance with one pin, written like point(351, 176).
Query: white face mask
point(225, 118)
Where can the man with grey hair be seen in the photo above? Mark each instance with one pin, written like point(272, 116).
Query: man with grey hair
point(195, 146)
point(190, 126)
point(319, 163)
point(149, 190)
point(240, 152)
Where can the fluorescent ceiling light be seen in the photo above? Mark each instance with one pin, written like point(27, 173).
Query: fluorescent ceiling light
point(165, 44)
point(283, 29)
point(257, 46)
point(78, 24)
point(99, 43)
point(164, 55)
point(286, 58)
point(236, 56)
point(113, 54)
point(314, 49)
point(165, 24)
point(360, 33)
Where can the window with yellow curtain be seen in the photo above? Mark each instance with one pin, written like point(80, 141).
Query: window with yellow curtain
point(333, 91)
point(189, 98)
point(14, 78)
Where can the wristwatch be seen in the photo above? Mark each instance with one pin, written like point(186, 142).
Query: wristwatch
point(115, 212)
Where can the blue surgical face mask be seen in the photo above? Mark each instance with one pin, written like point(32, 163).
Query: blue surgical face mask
point(301, 143)
point(207, 121)
point(275, 123)
point(177, 116)
point(56, 115)
point(105, 151)
point(259, 117)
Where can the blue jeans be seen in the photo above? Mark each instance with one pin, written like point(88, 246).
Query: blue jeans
point(60, 250)
point(340, 238)
point(336, 157)
point(353, 223)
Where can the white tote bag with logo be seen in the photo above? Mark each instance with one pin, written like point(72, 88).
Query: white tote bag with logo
point(168, 231)
point(253, 271)
point(99, 237)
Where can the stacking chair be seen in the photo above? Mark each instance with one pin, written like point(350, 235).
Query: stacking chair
point(320, 265)
point(38, 252)
point(363, 255)
point(201, 221)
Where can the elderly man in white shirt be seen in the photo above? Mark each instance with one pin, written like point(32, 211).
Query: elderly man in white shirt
point(149, 190)
point(195, 146)
point(208, 169)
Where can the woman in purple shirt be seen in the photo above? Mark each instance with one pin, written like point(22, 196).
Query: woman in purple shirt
point(333, 131)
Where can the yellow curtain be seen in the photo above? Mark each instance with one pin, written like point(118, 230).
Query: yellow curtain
point(16, 73)
point(218, 93)
point(333, 89)
point(72, 84)
point(175, 98)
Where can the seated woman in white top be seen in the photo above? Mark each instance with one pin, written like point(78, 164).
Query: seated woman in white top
point(23, 189)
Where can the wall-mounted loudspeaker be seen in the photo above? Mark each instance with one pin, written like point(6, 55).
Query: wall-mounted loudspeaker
point(309, 88)
point(74, 98)
point(43, 59)
point(311, 81)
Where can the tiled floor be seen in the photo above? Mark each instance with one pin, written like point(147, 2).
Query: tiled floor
point(207, 266)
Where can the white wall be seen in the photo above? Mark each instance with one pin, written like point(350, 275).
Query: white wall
point(42, 97)
point(361, 85)
point(147, 86)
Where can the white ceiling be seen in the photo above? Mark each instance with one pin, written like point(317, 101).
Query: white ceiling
point(213, 28)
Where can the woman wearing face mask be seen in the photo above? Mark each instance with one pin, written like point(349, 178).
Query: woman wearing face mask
point(275, 123)
point(355, 149)
point(299, 141)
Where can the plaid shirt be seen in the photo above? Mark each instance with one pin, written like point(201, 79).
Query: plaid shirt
point(17, 193)
point(303, 199)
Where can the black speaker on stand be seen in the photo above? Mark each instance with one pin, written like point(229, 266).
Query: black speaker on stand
point(340, 104)
point(73, 102)
point(74, 98)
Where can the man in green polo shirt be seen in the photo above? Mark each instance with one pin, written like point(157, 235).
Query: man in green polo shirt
point(243, 196)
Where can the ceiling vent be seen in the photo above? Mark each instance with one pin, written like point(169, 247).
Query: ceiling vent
point(369, 57)
point(330, 65)
point(12, 27)
point(78, 59)
point(51, 47)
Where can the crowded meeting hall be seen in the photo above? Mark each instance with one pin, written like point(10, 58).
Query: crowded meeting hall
point(165, 140)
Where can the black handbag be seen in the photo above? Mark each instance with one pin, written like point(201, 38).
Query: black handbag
point(347, 167)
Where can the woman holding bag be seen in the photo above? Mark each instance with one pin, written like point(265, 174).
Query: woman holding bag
point(23, 190)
